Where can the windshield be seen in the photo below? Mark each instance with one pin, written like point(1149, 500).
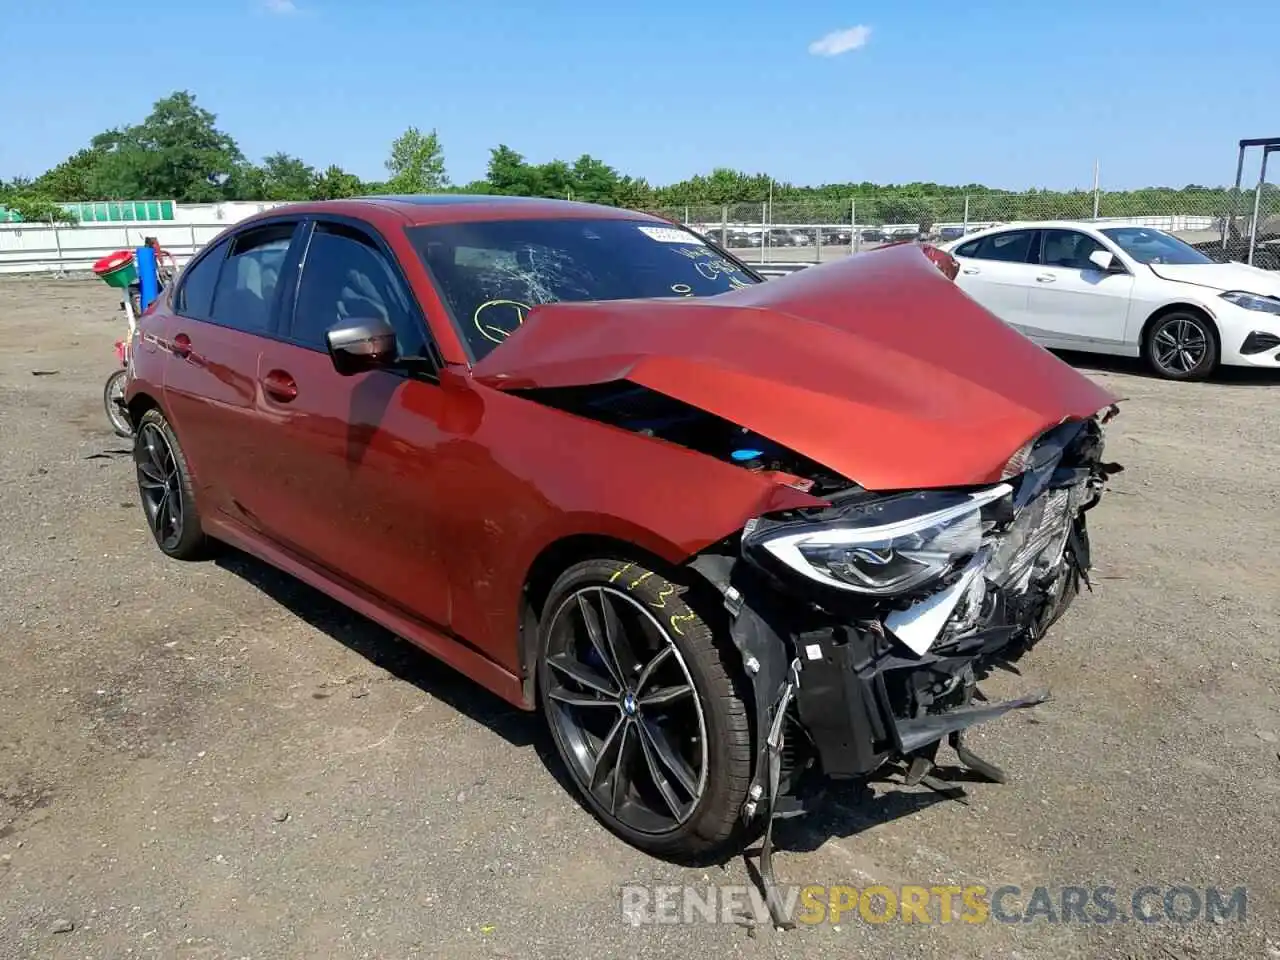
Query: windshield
point(492, 273)
point(1154, 246)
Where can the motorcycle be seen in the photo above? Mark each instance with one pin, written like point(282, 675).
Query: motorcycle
point(113, 391)
point(131, 304)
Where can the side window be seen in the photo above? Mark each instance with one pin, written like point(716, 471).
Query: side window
point(345, 279)
point(195, 296)
point(1010, 247)
point(247, 284)
point(969, 249)
point(1068, 248)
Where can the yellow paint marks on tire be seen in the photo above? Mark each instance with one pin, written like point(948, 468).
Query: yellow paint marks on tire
point(640, 579)
point(678, 618)
point(661, 602)
point(619, 573)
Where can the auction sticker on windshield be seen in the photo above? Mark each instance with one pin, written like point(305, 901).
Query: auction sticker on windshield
point(668, 234)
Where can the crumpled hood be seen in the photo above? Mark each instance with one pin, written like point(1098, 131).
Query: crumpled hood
point(877, 367)
point(1221, 276)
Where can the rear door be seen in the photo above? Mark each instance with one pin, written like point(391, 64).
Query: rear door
point(224, 310)
point(1074, 305)
point(998, 271)
point(353, 471)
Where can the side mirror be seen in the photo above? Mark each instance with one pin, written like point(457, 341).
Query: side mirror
point(362, 345)
point(1106, 261)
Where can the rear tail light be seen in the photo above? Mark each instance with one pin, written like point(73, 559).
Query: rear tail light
point(944, 261)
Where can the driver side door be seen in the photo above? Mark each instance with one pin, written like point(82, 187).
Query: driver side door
point(355, 469)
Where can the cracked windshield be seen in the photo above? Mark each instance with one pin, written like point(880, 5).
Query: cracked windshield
point(491, 274)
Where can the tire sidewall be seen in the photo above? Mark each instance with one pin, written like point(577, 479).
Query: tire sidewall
point(191, 543)
point(1206, 366)
point(679, 623)
point(117, 428)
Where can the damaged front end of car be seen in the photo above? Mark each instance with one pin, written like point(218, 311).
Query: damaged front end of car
point(865, 626)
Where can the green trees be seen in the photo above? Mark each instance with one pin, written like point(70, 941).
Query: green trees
point(416, 163)
point(178, 152)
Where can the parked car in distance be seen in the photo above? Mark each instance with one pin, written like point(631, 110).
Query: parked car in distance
point(950, 233)
point(730, 537)
point(1124, 290)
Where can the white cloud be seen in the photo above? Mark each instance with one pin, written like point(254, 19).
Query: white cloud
point(282, 8)
point(832, 45)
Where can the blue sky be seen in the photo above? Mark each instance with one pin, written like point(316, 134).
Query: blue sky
point(1008, 94)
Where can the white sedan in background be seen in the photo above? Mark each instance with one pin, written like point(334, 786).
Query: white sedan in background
point(1126, 290)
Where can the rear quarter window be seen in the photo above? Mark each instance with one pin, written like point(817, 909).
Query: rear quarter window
point(195, 296)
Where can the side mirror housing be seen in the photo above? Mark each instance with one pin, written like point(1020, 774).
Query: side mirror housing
point(362, 345)
point(1106, 261)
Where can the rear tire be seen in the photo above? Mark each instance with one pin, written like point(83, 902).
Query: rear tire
point(618, 718)
point(1181, 345)
point(164, 485)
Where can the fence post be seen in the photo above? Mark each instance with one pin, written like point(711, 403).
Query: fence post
point(1257, 204)
point(764, 229)
point(966, 214)
point(57, 243)
point(686, 215)
point(724, 224)
point(193, 242)
point(855, 235)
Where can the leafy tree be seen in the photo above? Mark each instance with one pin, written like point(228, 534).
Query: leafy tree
point(170, 154)
point(416, 163)
point(73, 178)
point(36, 208)
point(287, 178)
point(335, 184)
point(553, 179)
point(508, 173)
point(594, 181)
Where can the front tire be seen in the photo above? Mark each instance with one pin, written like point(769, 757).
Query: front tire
point(164, 485)
point(646, 707)
point(1181, 345)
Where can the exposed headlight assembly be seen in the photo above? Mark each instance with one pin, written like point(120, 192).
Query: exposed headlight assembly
point(884, 547)
point(1252, 301)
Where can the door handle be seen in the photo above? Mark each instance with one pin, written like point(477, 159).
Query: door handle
point(971, 270)
point(1046, 278)
point(278, 385)
point(181, 346)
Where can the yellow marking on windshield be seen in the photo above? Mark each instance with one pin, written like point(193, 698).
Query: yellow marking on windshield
point(493, 332)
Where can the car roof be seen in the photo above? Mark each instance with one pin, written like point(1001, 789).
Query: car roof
point(426, 209)
point(1051, 225)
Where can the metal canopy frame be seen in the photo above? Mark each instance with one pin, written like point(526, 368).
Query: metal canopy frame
point(1269, 146)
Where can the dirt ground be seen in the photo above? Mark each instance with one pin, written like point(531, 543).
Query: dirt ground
point(213, 761)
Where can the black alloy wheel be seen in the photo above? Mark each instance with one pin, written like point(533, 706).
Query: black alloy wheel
point(164, 486)
point(645, 712)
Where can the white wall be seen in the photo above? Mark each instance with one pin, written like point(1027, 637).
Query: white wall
point(36, 248)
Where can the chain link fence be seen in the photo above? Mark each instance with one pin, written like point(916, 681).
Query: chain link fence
point(813, 230)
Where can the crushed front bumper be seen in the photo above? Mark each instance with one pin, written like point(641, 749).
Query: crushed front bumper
point(843, 689)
